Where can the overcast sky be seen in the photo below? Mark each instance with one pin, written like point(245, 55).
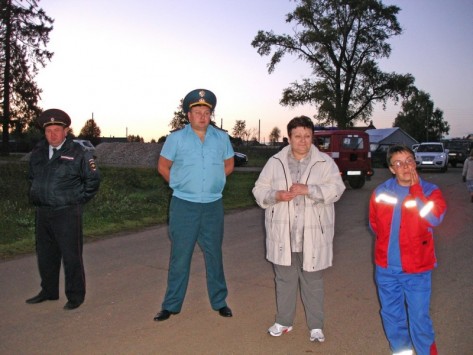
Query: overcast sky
point(129, 63)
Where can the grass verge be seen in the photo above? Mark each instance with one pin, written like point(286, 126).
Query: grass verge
point(128, 199)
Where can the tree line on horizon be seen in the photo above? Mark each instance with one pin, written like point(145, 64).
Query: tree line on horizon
point(340, 40)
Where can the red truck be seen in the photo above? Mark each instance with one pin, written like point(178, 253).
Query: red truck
point(351, 151)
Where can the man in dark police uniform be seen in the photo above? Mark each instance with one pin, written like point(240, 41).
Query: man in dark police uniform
point(63, 177)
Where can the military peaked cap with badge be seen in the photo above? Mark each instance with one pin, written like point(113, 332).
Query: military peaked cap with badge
point(53, 117)
point(199, 97)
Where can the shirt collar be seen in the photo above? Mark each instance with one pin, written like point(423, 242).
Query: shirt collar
point(291, 156)
point(58, 147)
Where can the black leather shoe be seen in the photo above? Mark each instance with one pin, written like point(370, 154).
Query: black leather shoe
point(40, 297)
point(72, 305)
point(225, 312)
point(163, 315)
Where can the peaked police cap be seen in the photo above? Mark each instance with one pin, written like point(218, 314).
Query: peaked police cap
point(53, 117)
point(199, 97)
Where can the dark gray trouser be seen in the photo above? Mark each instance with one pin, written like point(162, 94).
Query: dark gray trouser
point(59, 238)
point(288, 280)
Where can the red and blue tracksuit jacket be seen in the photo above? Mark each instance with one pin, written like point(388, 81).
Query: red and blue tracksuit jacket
point(422, 209)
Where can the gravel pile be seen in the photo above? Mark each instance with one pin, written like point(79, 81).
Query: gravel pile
point(128, 154)
point(124, 154)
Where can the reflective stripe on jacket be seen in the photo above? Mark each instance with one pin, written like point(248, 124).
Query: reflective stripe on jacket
point(423, 209)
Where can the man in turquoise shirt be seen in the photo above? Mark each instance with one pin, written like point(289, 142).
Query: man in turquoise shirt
point(195, 161)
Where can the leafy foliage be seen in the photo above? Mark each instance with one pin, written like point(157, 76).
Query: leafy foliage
point(137, 138)
point(91, 131)
point(274, 135)
point(24, 34)
point(419, 119)
point(180, 118)
point(340, 40)
point(239, 130)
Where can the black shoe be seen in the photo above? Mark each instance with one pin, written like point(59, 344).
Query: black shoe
point(72, 305)
point(225, 312)
point(40, 297)
point(163, 315)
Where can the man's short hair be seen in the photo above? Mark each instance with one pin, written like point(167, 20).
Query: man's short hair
point(300, 121)
point(398, 148)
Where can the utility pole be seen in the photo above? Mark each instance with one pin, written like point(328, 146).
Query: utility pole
point(259, 131)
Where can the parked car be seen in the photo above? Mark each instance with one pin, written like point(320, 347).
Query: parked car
point(240, 159)
point(432, 155)
point(458, 150)
point(85, 144)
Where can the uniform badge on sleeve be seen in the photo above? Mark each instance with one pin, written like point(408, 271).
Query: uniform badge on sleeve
point(92, 165)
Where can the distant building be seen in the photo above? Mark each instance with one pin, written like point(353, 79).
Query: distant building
point(383, 138)
point(389, 136)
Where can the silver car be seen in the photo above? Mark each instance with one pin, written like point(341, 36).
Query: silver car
point(432, 155)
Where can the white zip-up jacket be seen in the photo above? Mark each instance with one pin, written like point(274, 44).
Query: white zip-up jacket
point(325, 187)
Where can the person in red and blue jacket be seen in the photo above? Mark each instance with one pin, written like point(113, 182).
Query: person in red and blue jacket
point(403, 211)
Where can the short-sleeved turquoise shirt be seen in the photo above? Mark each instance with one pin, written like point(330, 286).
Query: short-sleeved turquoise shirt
point(197, 171)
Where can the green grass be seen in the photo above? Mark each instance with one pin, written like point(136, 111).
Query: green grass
point(129, 199)
point(257, 156)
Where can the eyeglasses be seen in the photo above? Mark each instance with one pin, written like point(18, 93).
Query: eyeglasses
point(401, 164)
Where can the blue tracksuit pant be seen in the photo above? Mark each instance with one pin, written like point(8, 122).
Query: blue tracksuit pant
point(405, 304)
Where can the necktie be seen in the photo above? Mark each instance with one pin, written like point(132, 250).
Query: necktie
point(54, 152)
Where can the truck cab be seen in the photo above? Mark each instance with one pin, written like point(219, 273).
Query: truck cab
point(351, 151)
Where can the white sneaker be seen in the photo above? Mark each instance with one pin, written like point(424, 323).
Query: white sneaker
point(277, 329)
point(317, 335)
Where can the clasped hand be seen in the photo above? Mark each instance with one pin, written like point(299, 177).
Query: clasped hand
point(294, 190)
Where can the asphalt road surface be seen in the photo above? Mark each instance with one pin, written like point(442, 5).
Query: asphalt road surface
point(126, 280)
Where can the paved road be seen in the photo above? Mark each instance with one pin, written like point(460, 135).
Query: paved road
point(127, 278)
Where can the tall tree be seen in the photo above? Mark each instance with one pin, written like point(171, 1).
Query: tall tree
point(239, 130)
point(91, 131)
point(180, 118)
point(420, 120)
point(340, 40)
point(274, 135)
point(24, 34)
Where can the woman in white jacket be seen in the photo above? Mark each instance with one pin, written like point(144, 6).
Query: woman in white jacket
point(298, 187)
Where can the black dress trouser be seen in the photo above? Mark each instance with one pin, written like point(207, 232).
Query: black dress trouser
point(59, 237)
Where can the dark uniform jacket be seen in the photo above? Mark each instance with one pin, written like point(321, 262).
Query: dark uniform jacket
point(69, 178)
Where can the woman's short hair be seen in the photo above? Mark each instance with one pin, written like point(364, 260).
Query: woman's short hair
point(300, 121)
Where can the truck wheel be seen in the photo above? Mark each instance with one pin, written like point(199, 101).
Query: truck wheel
point(444, 169)
point(356, 182)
